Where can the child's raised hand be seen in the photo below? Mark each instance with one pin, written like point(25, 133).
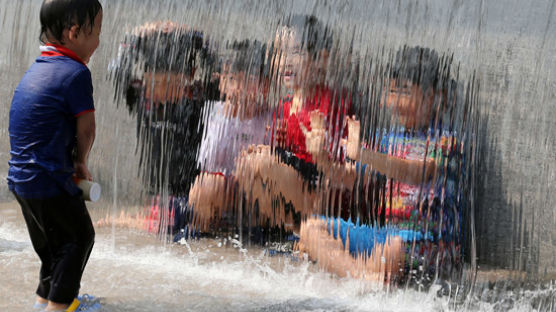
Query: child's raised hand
point(317, 120)
point(314, 140)
point(353, 144)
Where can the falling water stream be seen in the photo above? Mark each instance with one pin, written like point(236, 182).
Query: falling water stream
point(165, 243)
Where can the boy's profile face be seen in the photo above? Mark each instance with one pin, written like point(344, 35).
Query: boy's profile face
point(409, 102)
point(85, 41)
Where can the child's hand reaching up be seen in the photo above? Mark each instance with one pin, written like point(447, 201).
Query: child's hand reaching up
point(353, 144)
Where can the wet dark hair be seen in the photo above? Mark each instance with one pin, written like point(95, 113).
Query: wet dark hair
point(175, 51)
point(249, 56)
point(313, 35)
point(421, 66)
point(58, 15)
point(178, 50)
point(430, 71)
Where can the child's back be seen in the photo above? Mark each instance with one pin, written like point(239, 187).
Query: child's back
point(53, 92)
point(52, 130)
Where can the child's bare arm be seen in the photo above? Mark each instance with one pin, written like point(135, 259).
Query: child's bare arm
point(86, 128)
point(403, 170)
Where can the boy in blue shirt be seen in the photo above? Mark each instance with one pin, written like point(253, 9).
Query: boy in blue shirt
point(52, 129)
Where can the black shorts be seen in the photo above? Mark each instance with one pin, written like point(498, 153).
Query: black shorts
point(62, 234)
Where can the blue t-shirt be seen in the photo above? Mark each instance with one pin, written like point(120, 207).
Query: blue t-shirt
point(46, 103)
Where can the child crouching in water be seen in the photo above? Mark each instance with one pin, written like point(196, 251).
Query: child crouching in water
point(52, 113)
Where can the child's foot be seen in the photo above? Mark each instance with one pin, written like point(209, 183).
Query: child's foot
point(39, 306)
point(84, 303)
point(88, 298)
point(88, 303)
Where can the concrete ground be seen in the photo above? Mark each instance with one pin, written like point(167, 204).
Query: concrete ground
point(134, 271)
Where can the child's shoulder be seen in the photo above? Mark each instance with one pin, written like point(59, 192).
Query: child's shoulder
point(60, 69)
point(64, 63)
point(56, 75)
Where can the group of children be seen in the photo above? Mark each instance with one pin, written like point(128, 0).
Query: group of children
point(253, 138)
point(303, 163)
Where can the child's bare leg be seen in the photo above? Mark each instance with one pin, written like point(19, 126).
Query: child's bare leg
point(41, 300)
point(208, 198)
point(335, 258)
point(258, 166)
point(255, 167)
